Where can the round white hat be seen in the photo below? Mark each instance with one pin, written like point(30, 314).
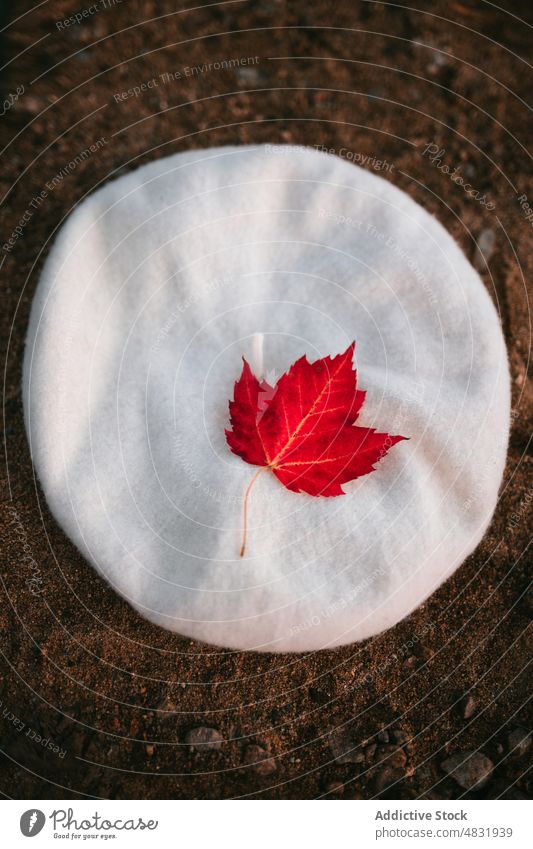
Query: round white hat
point(156, 287)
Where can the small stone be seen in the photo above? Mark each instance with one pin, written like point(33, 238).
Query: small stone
point(246, 76)
point(426, 653)
point(383, 736)
point(203, 739)
point(519, 741)
point(484, 249)
point(425, 775)
point(438, 60)
point(401, 736)
point(33, 105)
point(393, 756)
point(469, 707)
point(410, 664)
point(387, 777)
point(259, 760)
point(471, 770)
point(345, 746)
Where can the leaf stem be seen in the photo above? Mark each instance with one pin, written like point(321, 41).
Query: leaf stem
point(257, 355)
point(245, 508)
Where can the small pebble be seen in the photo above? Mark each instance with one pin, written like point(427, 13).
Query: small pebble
point(484, 249)
point(469, 707)
point(386, 777)
point(519, 741)
point(425, 774)
point(249, 76)
point(259, 760)
point(471, 770)
point(33, 105)
point(401, 736)
point(394, 756)
point(438, 61)
point(345, 746)
point(202, 739)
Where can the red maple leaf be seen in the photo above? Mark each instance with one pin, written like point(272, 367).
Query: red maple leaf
point(304, 431)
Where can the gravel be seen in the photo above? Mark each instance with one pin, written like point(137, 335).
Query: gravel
point(393, 756)
point(469, 707)
point(484, 249)
point(519, 741)
point(345, 746)
point(471, 770)
point(387, 777)
point(204, 739)
point(259, 760)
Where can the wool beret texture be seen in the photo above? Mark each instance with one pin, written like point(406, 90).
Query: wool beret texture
point(154, 290)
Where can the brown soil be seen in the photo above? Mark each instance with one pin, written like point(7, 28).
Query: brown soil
point(119, 696)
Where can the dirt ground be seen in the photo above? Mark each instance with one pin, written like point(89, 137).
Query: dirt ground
point(97, 702)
